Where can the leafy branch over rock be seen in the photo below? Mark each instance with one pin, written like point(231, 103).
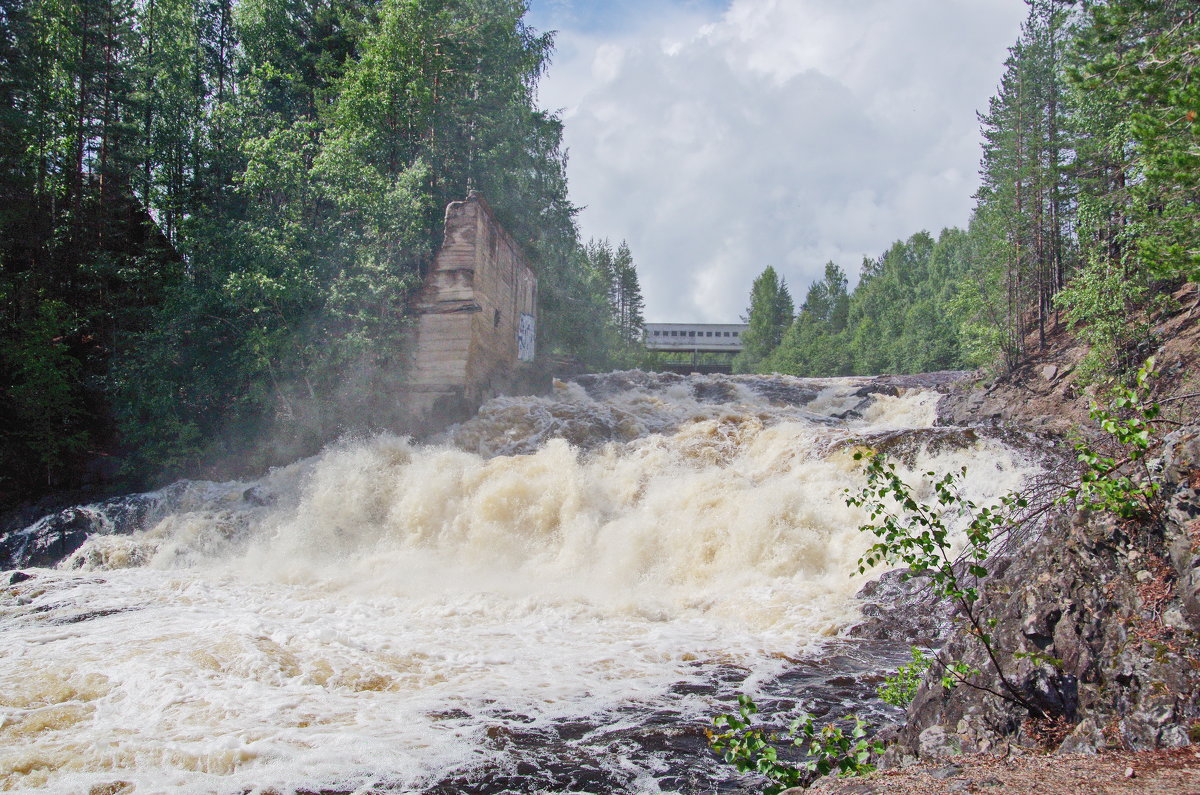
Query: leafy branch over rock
point(918, 535)
point(948, 539)
point(829, 748)
point(1107, 482)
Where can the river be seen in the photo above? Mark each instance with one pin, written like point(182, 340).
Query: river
point(556, 595)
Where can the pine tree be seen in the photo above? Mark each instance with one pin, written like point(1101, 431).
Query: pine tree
point(1022, 170)
point(1139, 59)
point(769, 315)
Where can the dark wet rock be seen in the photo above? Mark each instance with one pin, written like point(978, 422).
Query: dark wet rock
point(507, 426)
point(55, 536)
point(1105, 611)
point(780, 390)
point(87, 615)
point(903, 610)
point(520, 426)
point(714, 391)
point(603, 753)
point(786, 392)
point(18, 577)
point(601, 385)
point(49, 540)
point(255, 495)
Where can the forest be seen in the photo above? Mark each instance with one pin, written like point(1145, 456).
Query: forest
point(1087, 216)
point(213, 212)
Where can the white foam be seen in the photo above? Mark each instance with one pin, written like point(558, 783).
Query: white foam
point(399, 600)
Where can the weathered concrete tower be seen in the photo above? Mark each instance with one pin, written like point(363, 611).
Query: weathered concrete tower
point(477, 318)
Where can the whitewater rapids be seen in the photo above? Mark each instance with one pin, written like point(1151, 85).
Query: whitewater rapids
point(389, 616)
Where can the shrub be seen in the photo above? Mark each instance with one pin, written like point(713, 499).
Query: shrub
point(829, 748)
point(900, 688)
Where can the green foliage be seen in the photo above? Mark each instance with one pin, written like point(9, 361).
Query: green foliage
point(769, 315)
point(1140, 57)
point(226, 207)
point(899, 318)
point(43, 390)
point(828, 748)
point(1124, 486)
point(1089, 193)
point(1099, 303)
point(955, 672)
point(918, 535)
point(619, 329)
point(899, 689)
point(1023, 199)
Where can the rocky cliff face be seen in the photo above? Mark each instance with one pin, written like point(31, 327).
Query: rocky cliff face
point(1115, 603)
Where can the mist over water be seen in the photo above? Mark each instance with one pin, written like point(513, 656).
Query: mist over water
point(392, 616)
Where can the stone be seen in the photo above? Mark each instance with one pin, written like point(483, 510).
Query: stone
point(18, 576)
point(1174, 737)
point(55, 536)
point(1085, 738)
point(1049, 372)
point(936, 743)
point(1173, 618)
point(943, 773)
point(1074, 595)
point(112, 788)
point(1181, 454)
point(256, 496)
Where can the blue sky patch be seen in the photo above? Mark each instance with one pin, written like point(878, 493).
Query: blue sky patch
point(610, 16)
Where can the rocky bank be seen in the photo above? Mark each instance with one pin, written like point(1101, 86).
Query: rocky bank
point(1097, 619)
point(1110, 609)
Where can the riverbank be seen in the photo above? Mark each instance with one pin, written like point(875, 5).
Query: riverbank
point(1097, 619)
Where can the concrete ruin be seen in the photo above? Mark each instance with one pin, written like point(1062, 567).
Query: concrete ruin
point(476, 319)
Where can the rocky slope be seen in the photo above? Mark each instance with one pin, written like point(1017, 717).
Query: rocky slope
point(1097, 618)
point(1116, 604)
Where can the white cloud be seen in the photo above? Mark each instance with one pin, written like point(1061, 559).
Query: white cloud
point(784, 132)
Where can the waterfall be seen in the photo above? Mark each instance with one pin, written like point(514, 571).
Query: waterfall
point(551, 591)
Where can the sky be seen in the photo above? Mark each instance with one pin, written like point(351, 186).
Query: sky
point(718, 137)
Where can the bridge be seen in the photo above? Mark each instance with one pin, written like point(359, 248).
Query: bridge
point(695, 347)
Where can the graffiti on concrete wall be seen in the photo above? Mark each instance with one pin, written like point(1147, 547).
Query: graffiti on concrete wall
point(526, 334)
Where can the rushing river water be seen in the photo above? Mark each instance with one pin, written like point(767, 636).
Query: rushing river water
point(557, 595)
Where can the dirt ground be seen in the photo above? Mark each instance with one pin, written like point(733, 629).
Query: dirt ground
point(1174, 771)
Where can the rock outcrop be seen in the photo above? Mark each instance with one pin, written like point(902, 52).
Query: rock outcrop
point(1098, 622)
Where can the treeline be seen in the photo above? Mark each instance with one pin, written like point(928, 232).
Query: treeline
point(212, 213)
point(604, 321)
point(1088, 212)
point(899, 318)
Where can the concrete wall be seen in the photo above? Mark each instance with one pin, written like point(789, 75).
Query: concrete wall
point(464, 349)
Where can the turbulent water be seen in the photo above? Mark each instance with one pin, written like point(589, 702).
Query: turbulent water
point(557, 595)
